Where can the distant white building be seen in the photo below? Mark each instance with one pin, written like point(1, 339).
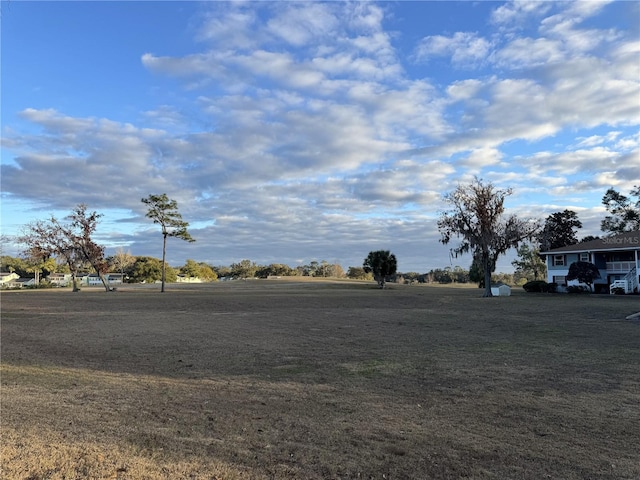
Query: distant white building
point(6, 278)
point(60, 279)
point(186, 279)
point(93, 279)
point(12, 280)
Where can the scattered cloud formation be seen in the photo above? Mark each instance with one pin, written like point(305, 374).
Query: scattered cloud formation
point(291, 132)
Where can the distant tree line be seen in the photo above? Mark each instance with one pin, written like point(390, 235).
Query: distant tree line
point(476, 218)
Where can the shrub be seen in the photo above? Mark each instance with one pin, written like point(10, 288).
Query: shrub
point(577, 289)
point(536, 286)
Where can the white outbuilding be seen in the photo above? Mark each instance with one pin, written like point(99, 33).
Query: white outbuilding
point(500, 290)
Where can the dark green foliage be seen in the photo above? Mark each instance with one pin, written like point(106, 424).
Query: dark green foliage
point(589, 238)
point(382, 264)
point(577, 289)
point(536, 286)
point(244, 269)
point(559, 230)
point(15, 264)
point(276, 270)
point(529, 263)
point(358, 273)
point(476, 272)
point(584, 272)
point(164, 211)
point(624, 212)
point(149, 270)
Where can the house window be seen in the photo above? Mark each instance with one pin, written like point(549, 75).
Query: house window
point(558, 261)
point(584, 257)
point(560, 280)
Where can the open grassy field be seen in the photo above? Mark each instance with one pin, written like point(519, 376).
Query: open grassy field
point(286, 380)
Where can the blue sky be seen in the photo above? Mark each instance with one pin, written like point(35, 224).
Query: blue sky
point(291, 132)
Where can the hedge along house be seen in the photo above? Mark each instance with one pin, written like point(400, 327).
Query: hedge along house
point(617, 259)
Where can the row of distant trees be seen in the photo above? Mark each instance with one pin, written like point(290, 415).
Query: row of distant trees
point(476, 219)
point(138, 269)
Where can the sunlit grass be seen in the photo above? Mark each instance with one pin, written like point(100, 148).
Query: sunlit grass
point(282, 380)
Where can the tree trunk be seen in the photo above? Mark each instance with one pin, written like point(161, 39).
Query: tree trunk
point(104, 282)
point(102, 278)
point(74, 282)
point(487, 278)
point(164, 251)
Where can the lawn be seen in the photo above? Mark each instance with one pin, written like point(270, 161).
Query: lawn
point(318, 380)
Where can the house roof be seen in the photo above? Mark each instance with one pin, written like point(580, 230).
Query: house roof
point(622, 241)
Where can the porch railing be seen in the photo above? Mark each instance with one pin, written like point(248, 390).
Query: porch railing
point(620, 267)
point(629, 284)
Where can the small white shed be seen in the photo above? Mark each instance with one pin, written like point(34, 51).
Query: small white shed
point(500, 290)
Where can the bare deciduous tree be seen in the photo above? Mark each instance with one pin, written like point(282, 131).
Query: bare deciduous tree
point(82, 226)
point(69, 241)
point(44, 239)
point(122, 260)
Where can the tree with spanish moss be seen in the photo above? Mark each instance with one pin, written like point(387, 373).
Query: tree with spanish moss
point(477, 217)
point(164, 211)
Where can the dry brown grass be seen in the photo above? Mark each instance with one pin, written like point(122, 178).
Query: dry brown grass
point(287, 380)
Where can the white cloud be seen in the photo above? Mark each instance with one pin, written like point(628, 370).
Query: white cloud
point(208, 66)
point(565, 27)
point(166, 116)
point(229, 26)
point(529, 52)
point(464, 48)
point(569, 163)
point(298, 24)
point(308, 123)
point(482, 157)
point(52, 121)
point(464, 89)
point(519, 11)
point(594, 140)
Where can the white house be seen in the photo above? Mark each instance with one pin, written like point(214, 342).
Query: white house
point(22, 282)
point(617, 259)
point(6, 278)
point(93, 279)
point(60, 279)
